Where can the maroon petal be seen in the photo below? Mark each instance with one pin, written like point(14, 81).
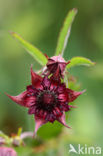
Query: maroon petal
point(31, 89)
point(55, 82)
point(57, 112)
point(46, 82)
point(61, 88)
point(57, 72)
point(52, 68)
point(38, 123)
point(63, 97)
point(30, 101)
point(62, 120)
point(72, 95)
point(20, 99)
point(62, 66)
point(35, 79)
point(44, 115)
point(58, 59)
point(32, 110)
point(23, 99)
point(64, 107)
point(51, 117)
point(50, 62)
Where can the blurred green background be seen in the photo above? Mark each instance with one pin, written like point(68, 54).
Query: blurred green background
point(39, 22)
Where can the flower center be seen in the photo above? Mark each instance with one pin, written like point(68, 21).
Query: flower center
point(47, 99)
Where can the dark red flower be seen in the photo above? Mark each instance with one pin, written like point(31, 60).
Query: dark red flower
point(56, 66)
point(46, 99)
point(6, 151)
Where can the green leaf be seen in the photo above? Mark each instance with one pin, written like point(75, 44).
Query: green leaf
point(75, 61)
point(65, 32)
point(36, 53)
